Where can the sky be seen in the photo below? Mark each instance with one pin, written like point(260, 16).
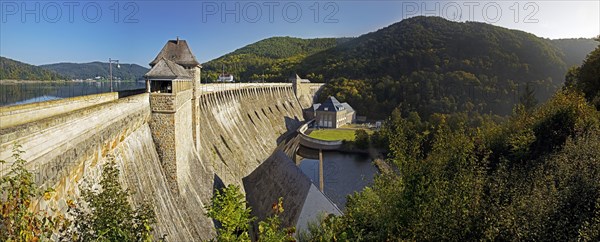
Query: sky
point(44, 32)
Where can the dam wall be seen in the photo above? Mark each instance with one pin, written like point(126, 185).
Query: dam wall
point(65, 149)
point(239, 127)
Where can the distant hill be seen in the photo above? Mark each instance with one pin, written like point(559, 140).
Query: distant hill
point(575, 50)
point(438, 45)
point(94, 69)
point(424, 64)
point(16, 70)
point(429, 64)
point(273, 59)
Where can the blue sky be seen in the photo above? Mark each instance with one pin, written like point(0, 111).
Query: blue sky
point(42, 32)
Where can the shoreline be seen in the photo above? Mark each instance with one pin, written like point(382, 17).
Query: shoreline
point(12, 81)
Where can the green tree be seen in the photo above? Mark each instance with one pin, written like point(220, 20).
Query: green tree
point(228, 207)
point(533, 177)
point(589, 77)
point(105, 213)
point(19, 221)
point(528, 99)
point(361, 139)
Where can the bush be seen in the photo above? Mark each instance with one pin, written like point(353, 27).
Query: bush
point(361, 139)
point(105, 213)
point(228, 207)
point(18, 191)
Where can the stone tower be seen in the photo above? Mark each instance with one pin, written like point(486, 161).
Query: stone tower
point(174, 85)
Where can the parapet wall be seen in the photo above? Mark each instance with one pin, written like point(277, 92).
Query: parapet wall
point(21, 114)
point(63, 149)
point(316, 144)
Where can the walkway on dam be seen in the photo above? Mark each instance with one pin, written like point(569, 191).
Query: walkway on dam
point(219, 87)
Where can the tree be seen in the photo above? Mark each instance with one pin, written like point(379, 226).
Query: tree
point(105, 213)
point(228, 207)
point(589, 77)
point(534, 177)
point(270, 230)
point(19, 221)
point(528, 99)
point(361, 139)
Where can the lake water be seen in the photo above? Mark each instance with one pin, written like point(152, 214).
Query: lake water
point(29, 92)
point(343, 174)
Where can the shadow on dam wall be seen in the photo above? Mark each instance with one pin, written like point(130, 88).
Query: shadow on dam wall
point(239, 129)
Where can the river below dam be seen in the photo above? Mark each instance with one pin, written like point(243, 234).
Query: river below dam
point(343, 174)
point(15, 93)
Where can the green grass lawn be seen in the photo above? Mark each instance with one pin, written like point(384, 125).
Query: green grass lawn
point(333, 134)
point(357, 126)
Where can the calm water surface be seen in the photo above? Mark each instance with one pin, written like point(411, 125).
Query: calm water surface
point(343, 174)
point(29, 92)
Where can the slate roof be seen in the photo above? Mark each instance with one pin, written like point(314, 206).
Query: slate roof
point(166, 69)
point(332, 105)
point(348, 107)
point(279, 177)
point(177, 51)
point(316, 106)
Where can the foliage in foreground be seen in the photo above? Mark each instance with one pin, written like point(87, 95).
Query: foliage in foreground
point(535, 177)
point(105, 213)
point(229, 209)
point(18, 191)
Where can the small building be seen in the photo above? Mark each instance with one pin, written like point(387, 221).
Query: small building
point(333, 114)
point(168, 77)
point(225, 78)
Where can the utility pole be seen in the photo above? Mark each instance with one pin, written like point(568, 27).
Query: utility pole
point(110, 61)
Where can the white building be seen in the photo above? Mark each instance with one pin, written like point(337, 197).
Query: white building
point(225, 78)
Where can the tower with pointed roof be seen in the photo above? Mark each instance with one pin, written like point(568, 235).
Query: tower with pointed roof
point(174, 83)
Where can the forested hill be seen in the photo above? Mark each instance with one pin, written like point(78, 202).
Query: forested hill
point(272, 59)
point(94, 69)
point(438, 45)
point(429, 64)
point(575, 50)
point(15, 70)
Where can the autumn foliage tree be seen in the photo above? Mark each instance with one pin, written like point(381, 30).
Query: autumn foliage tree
point(19, 221)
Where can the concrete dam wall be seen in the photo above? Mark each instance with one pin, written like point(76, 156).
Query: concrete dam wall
point(238, 129)
point(241, 128)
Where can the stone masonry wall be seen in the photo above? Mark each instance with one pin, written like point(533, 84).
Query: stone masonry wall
point(62, 150)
